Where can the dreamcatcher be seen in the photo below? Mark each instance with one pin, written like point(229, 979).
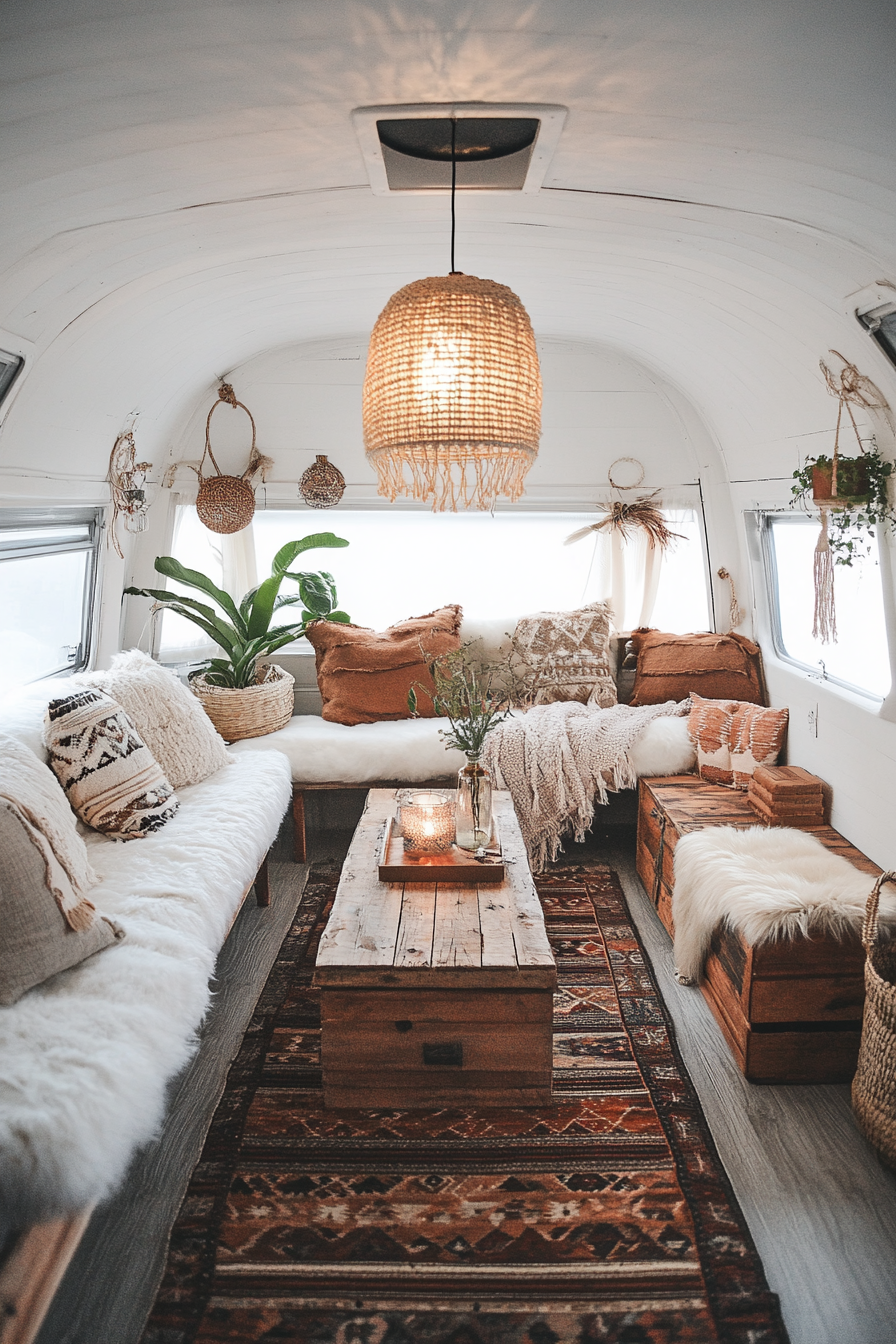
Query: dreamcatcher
point(127, 481)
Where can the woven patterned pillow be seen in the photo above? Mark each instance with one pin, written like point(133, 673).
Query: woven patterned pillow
point(111, 778)
point(568, 655)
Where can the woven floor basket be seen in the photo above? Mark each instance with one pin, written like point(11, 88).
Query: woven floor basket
point(251, 712)
point(874, 1086)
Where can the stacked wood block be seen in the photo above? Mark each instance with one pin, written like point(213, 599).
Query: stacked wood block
point(786, 795)
point(790, 1010)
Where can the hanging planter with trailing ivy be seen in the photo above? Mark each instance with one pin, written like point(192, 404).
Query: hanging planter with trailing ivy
point(850, 493)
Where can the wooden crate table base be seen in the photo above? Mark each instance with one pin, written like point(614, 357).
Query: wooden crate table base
point(790, 1010)
point(438, 994)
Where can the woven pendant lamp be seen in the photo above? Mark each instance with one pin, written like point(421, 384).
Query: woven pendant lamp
point(452, 392)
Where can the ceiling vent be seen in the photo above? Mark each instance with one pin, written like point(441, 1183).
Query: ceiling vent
point(497, 146)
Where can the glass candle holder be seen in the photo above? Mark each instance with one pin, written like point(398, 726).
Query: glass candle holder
point(427, 824)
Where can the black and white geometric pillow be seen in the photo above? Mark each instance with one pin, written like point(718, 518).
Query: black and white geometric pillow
point(111, 778)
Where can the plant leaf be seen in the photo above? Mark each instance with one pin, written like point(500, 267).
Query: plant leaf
point(285, 556)
point(173, 569)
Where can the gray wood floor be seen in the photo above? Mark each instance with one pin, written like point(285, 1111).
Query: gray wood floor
point(821, 1208)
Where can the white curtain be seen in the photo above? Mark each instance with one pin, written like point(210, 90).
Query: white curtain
point(229, 561)
point(626, 572)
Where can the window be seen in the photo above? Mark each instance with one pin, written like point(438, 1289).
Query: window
point(10, 368)
point(860, 658)
point(47, 575)
point(880, 322)
point(402, 563)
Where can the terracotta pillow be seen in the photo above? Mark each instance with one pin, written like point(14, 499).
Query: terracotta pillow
point(720, 667)
point(709, 726)
point(757, 736)
point(365, 676)
point(567, 654)
point(733, 738)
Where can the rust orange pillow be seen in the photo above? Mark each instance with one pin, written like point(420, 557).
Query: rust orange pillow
point(364, 675)
point(733, 738)
point(720, 667)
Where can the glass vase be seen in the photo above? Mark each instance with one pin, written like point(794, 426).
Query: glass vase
point(473, 809)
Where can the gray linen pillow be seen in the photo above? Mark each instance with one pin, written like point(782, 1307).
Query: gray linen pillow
point(35, 939)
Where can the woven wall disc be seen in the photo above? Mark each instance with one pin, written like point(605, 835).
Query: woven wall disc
point(322, 485)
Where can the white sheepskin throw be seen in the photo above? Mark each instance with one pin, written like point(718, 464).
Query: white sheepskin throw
point(166, 714)
point(557, 759)
point(86, 1056)
point(765, 884)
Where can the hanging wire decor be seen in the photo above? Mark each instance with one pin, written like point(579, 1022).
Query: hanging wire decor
point(452, 393)
point(224, 503)
point(127, 481)
point(632, 461)
point(322, 485)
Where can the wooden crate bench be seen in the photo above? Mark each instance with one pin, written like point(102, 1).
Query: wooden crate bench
point(435, 995)
point(791, 1010)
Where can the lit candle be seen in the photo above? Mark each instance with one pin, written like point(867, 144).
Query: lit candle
point(427, 824)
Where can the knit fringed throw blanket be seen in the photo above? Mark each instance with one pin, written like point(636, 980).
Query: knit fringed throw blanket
point(558, 760)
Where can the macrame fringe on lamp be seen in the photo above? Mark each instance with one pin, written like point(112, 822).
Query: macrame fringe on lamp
point(452, 393)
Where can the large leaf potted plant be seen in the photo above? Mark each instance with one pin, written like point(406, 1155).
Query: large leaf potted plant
point(242, 694)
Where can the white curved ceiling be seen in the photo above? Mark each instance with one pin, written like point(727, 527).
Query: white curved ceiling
point(182, 188)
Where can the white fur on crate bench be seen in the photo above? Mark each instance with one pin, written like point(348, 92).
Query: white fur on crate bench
point(764, 884)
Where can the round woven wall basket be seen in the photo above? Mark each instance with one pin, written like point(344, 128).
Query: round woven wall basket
point(253, 711)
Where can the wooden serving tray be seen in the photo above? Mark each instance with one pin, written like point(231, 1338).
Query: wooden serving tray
point(456, 866)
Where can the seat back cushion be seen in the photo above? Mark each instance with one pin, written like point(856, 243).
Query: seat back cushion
point(565, 655)
point(35, 894)
point(166, 714)
point(111, 778)
point(365, 676)
point(718, 667)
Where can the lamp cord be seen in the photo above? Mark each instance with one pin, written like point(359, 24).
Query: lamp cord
point(453, 185)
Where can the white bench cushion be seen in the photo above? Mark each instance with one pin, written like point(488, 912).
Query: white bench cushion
point(412, 750)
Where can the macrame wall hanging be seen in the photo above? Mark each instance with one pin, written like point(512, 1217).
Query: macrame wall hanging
point(127, 481)
point(830, 490)
point(631, 595)
point(224, 503)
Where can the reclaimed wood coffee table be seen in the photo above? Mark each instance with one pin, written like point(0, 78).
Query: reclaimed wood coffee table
point(435, 995)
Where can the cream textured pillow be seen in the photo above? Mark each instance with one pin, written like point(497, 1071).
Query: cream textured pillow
point(567, 654)
point(167, 716)
point(37, 904)
point(110, 776)
point(30, 786)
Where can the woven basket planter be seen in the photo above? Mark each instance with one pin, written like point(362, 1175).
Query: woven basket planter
point(874, 1086)
point(253, 711)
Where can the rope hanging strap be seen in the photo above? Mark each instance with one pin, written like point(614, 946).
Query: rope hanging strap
point(227, 394)
point(851, 388)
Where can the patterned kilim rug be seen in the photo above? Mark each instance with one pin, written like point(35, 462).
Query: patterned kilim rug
point(604, 1217)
